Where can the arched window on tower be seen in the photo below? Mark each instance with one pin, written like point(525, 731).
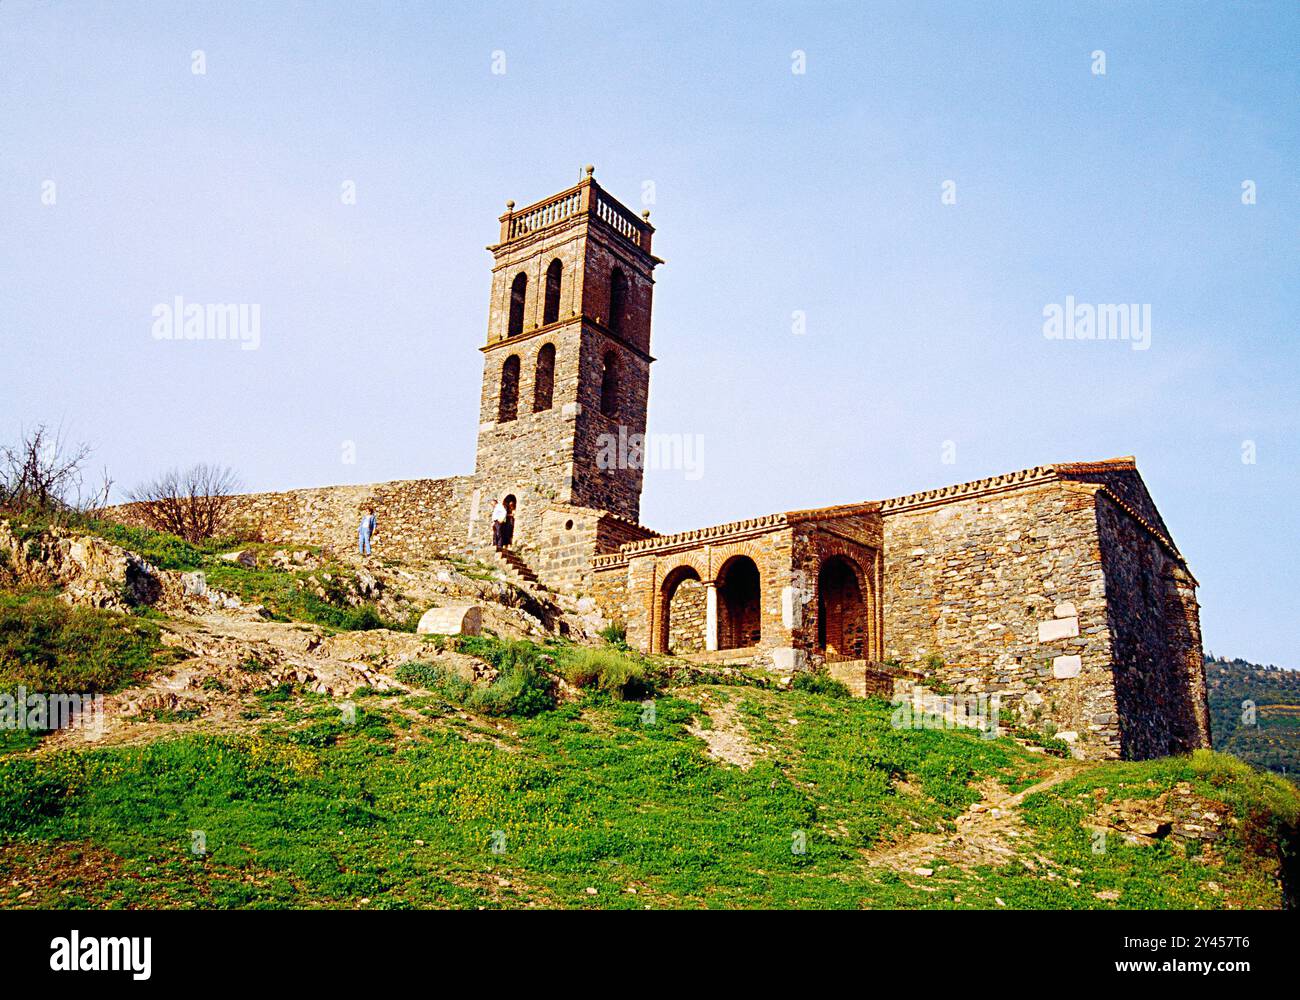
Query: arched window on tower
point(609, 385)
point(544, 383)
point(551, 307)
point(508, 407)
point(518, 292)
point(617, 299)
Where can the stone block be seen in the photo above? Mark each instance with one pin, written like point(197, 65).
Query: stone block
point(787, 660)
point(456, 619)
point(1058, 628)
point(1064, 667)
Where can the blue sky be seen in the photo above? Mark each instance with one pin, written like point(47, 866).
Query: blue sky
point(775, 192)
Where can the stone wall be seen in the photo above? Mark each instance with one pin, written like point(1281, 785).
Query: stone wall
point(571, 537)
point(1159, 676)
point(688, 619)
point(607, 469)
point(1006, 592)
point(417, 518)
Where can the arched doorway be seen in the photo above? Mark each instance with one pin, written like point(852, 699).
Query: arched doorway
point(842, 616)
point(684, 620)
point(739, 604)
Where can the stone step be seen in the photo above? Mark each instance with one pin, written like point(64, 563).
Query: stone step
point(730, 657)
point(516, 570)
point(864, 677)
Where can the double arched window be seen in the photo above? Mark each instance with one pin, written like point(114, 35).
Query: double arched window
point(544, 383)
point(508, 405)
point(518, 293)
point(551, 304)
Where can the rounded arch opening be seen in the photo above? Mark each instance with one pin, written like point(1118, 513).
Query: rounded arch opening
point(740, 620)
point(551, 302)
point(508, 402)
point(843, 619)
point(609, 385)
point(518, 295)
point(617, 299)
point(683, 623)
point(544, 381)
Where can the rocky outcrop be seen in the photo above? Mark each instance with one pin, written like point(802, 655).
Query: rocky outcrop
point(91, 572)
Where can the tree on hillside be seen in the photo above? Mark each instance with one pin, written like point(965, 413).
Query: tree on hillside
point(45, 474)
point(195, 504)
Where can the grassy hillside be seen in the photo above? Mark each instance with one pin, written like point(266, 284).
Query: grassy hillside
point(411, 802)
point(510, 773)
point(1271, 738)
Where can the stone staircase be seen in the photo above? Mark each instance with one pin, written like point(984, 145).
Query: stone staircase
point(518, 572)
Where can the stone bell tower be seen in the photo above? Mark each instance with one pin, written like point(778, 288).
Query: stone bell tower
point(566, 367)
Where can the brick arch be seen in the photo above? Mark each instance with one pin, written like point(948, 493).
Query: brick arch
point(863, 563)
point(676, 636)
point(739, 584)
point(720, 555)
point(665, 569)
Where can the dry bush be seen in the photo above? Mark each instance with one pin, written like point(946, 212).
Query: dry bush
point(195, 504)
point(44, 474)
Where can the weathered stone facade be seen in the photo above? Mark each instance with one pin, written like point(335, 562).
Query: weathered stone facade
point(1056, 589)
point(567, 364)
point(417, 517)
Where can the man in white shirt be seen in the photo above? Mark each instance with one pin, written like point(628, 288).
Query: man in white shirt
point(499, 515)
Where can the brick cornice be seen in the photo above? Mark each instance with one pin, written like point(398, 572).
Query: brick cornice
point(1038, 475)
point(561, 324)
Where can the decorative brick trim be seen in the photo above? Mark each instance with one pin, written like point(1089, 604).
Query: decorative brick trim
point(1161, 539)
point(963, 491)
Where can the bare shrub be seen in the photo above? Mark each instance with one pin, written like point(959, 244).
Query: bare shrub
point(45, 474)
point(195, 504)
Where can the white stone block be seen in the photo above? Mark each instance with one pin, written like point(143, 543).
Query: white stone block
point(456, 619)
point(1066, 609)
point(787, 660)
point(1064, 667)
point(792, 602)
point(710, 618)
point(1058, 628)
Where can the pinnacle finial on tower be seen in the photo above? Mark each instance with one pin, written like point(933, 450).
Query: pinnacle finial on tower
point(590, 169)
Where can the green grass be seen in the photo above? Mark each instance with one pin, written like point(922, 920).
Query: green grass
point(522, 686)
point(323, 809)
point(279, 592)
point(46, 645)
point(819, 682)
point(159, 548)
point(276, 589)
point(614, 671)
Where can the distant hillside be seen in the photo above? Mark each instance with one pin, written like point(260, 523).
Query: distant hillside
point(1273, 741)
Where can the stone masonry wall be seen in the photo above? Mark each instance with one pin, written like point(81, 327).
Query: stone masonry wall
point(688, 619)
point(607, 472)
point(530, 456)
point(1009, 591)
point(1159, 674)
point(417, 518)
point(571, 537)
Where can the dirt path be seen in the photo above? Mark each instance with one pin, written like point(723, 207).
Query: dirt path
point(727, 739)
point(990, 832)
